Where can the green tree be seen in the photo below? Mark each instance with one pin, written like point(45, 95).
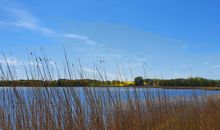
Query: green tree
point(139, 81)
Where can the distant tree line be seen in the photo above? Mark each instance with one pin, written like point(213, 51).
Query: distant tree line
point(191, 82)
point(138, 81)
point(64, 83)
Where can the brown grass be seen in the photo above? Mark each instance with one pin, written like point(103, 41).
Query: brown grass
point(64, 108)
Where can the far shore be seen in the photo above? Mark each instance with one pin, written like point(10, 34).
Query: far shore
point(188, 87)
point(180, 87)
point(133, 86)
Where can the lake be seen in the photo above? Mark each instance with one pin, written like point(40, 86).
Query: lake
point(28, 92)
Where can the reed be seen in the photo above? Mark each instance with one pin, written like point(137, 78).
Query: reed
point(94, 109)
point(89, 108)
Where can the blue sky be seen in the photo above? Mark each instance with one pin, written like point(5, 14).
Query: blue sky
point(174, 38)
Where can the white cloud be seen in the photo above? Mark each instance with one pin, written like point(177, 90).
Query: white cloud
point(21, 15)
point(34, 27)
point(79, 37)
point(9, 61)
point(69, 35)
point(22, 18)
point(131, 65)
point(52, 63)
point(89, 70)
point(19, 63)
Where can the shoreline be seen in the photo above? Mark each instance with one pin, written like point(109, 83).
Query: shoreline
point(186, 87)
point(161, 87)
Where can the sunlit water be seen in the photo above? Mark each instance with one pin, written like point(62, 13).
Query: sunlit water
point(27, 92)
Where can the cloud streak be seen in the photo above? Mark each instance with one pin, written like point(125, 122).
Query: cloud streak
point(24, 19)
point(79, 37)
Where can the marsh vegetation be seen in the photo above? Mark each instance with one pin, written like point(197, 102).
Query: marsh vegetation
point(39, 106)
point(95, 109)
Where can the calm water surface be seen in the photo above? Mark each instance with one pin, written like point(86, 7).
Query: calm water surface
point(123, 92)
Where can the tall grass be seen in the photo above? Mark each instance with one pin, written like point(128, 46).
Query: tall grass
point(95, 109)
point(98, 108)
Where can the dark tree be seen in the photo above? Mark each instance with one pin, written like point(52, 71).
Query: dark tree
point(139, 81)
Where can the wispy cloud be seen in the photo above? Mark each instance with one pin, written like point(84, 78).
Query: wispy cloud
point(10, 61)
point(24, 19)
point(89, 70)
point(34, 27)
point(21, 18)
point(79, 37)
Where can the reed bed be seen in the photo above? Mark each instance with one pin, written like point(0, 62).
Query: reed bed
point(95, 109)
point(89, 108)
